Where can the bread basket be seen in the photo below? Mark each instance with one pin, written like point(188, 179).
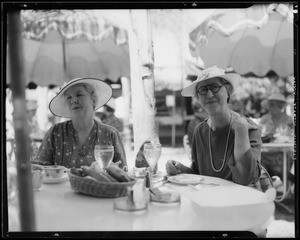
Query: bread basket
point(99, 189)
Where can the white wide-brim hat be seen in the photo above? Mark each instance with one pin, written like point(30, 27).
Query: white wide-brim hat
point(111, 103)
point(58, 105)
point(277, 97)
point(212, 72)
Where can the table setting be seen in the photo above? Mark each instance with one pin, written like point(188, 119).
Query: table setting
point(105, 197)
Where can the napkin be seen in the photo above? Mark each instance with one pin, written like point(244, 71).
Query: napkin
point(224, 196)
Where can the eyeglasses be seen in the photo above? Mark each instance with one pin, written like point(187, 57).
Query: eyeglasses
point(214, 88)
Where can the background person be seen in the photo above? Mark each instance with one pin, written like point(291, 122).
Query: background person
point(226, 145)
point(276, 120)
point(35, 131)
point(71, 143)
point(109, 115)
point(276, 126)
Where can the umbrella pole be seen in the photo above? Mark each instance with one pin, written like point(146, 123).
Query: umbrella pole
point(64, 58)
point(24, 180)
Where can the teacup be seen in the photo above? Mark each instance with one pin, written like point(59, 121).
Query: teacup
point(55, 171)
point(140, 172)
point(37, 180)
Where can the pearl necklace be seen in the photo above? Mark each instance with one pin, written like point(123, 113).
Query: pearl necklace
point(209, 144)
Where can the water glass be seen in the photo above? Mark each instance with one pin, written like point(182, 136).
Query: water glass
point(104, 155)
point(37, 180)
point(12, 187)
point(152, 152)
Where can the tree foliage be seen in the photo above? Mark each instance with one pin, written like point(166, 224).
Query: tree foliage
point(252, 91)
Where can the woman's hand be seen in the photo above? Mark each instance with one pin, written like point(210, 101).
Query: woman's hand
point(174, 167)
point(240, 123)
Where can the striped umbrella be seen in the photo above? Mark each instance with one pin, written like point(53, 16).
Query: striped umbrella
point(60, 45)
point(256, 40)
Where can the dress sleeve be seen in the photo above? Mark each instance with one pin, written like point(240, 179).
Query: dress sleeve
point(247, 170)
point(45, 152)
point(196, 147)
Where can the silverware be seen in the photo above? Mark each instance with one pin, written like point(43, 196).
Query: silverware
point(163, 181)
point(200, 185)
point(196, 187)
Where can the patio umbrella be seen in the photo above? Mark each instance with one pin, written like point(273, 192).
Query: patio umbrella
point(257, 40)
point(62, 45)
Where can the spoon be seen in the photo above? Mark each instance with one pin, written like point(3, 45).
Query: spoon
point(196, 187)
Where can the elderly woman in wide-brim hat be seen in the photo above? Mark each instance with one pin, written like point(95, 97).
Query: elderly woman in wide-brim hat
point(226, 144)
point(71, 143)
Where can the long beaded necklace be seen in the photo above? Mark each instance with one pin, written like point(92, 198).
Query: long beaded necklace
point(209, 144)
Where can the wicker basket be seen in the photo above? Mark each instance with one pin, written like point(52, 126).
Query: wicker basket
point(99, 189)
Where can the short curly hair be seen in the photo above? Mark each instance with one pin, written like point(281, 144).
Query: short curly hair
point(90, 89)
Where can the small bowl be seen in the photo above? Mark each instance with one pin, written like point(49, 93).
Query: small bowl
point(140, 172)
point(55, 171)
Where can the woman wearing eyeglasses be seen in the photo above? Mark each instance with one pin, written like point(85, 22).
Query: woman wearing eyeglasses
point(226, 145)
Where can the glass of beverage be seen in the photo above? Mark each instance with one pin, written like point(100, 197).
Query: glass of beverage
point(152, 152)
point(104, 155)
point(12, 188)
point(37, 180)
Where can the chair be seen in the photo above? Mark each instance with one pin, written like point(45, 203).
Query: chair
point(186, 146)
point(265, 179)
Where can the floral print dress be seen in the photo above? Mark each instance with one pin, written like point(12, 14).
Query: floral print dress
point(60, 145)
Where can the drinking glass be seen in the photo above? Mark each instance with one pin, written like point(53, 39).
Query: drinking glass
point(37, 180)
point(12, 188)
point(152, 152)
point(104, 155)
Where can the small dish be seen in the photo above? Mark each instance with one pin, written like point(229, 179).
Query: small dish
point(55, 171)
point(165, 198)
point(139, 172)
point(186, 179)
point(124, 204)
point(63, 178)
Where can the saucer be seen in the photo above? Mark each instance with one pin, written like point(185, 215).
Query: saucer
point(186, 179)
point(123, 204)
point(64, 178)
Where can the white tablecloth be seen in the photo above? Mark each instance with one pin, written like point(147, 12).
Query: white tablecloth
point(228, 207)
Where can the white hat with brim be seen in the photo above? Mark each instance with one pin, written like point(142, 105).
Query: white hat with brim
point(58, 105)
point(277, 97)
point(212, 72)
point(111, 103)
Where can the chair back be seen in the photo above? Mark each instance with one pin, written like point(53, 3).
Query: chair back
point(186, 146)
point(265, 179)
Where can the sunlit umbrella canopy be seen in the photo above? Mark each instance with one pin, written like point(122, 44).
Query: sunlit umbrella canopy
point(257, 40)
point(60, 45)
